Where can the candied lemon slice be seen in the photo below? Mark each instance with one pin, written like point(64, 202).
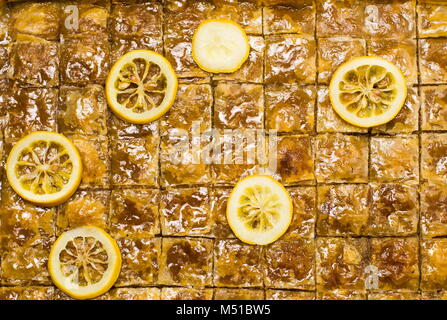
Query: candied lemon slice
point(368, 91)
point(220, 46)
point(259, 210)
point(84, 262)
point(141, 86)
point(44, 168)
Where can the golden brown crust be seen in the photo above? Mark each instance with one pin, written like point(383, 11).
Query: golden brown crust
point(290, 108)
point(433, 269)
point(290, 264)
point(394, 159)
point(342, 209)
point(186, 261)
point(237, 264)
point(341, 158)
point(186, 212)
point(397, 263)
point(341, 265)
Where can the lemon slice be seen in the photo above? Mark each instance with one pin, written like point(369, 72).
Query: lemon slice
point(44, 168)
point(141, 86)
point(84, 262)
point(220, 46)
point(368, 91)
point(259, 210)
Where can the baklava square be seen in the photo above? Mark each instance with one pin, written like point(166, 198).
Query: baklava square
point(433, 209)
point(434, 156)
point(178, 51)
point(432, 20)
point(141, 261)
point(118, 128)
point(332, 53)
point(341, 264)
point(242, 153)
point(395, 159)
point(237, 264)
point(247, 13)
point(394, 296)
point(186, 261)
point(290, 3)
point(289, 19)
point(289, 295)
point(304, 213)
point(238, 106)
point(135, 162)
point(238, 294)
point(295, 159)
point(95, 160)
point(35, 62)
point(433, 60)
point(85, 60)
point(328, 120)
point(132, 294)
point(134, 213)
point(84, 208)
point(340, 18)
point(82, 111)
point(342, 209)
point(434, 295)
point(121, 46)
point(183, 17)
point(290, 59)
point(434, 262)
point(341, 158)
point(37, 19)
point(180, 164)
point(186, 294)
point(26, 293)
point(190, 111)
point(26, 265)
point(290, 108)
point(390, 19)
point(393, 210)
point(401, 53)
point(186, 212)
point(23, 224)
point(341, 294)
point(397, 261)
point(407, 120)
point(253, 69)
point(434, 108)
point(91, 18)
point(239, 157)
point(29, 110)
point(290, 265)
point(136, 20)
point(219, 199)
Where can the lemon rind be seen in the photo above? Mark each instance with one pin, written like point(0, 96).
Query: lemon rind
point(114, 275)
point(201, 66)
point(125, 115)
point(334, 103)
point(289, 218)
point(29, 196)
